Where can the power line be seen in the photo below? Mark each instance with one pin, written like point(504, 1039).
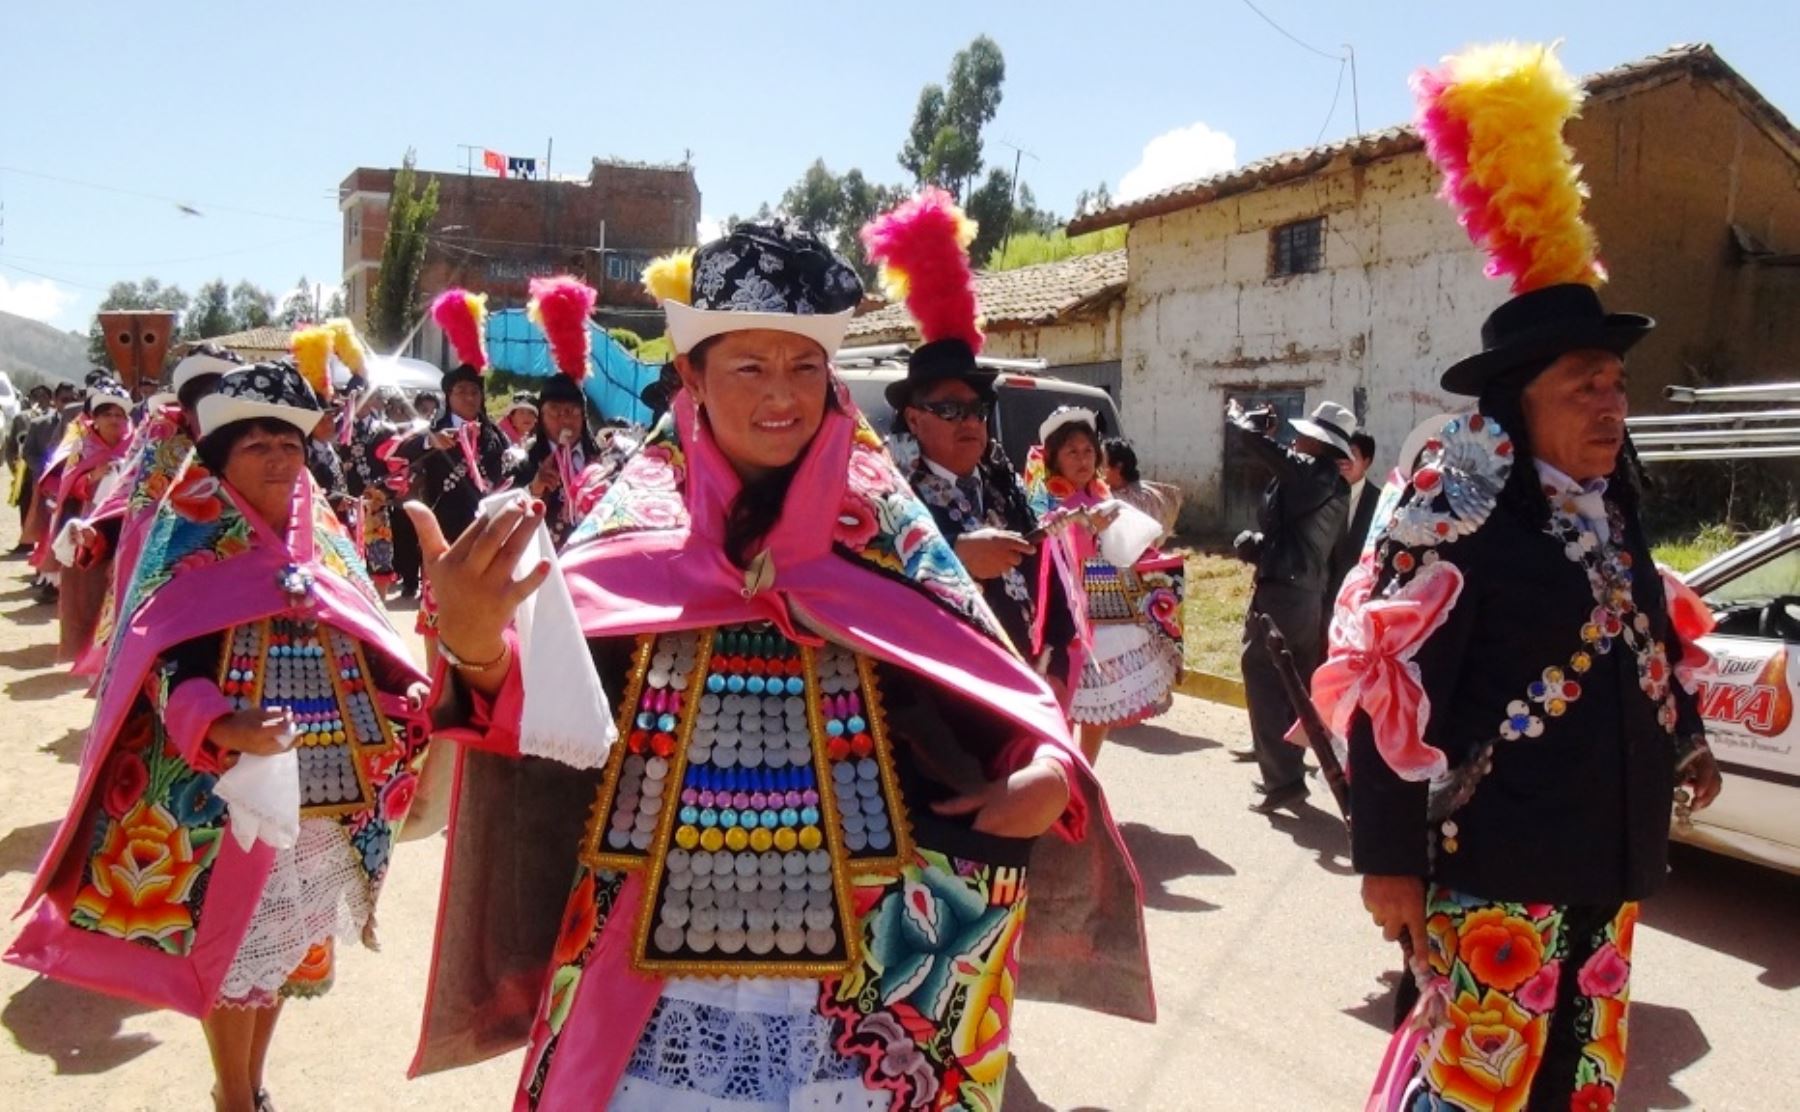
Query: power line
point(1335, 93)
point(104, 188)
point(1290, 36)
point(168, 262)
point(51, 277)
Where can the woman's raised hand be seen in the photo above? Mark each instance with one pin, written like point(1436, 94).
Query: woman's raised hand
point(472, 580)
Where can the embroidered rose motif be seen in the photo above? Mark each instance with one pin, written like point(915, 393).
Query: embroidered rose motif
point(197, 497)
point(856, 521)
point(1605, 974)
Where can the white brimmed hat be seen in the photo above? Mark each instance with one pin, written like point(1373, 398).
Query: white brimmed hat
point(1330, 423)
point(1068, 415)
point(764, 276)
point(272, 390)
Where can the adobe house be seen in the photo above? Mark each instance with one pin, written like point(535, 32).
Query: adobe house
point(1336, 273)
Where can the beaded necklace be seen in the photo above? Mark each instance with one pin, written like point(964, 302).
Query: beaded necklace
point(321, 675)
point(754, 780)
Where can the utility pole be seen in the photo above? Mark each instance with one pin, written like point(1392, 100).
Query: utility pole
point(1355, 105)
point(468, 151)
point(1012, 204)
point(549, 148)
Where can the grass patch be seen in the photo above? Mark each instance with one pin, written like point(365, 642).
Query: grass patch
point(1218, 591)
point(1689, 553)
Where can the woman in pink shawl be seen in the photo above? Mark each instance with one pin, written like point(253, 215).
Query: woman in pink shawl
point(72, 485)
point(799, 870)
point(250, 628)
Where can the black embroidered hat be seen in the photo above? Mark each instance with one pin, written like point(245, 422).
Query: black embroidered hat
point(106, 390)
point(768, 276)
point(275, 390)
point(561, 388)
point(1535, 328)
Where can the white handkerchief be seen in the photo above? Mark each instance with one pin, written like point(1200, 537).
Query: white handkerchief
point(263, 794)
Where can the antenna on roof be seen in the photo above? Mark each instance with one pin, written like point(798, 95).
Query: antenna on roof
point(1013, 203)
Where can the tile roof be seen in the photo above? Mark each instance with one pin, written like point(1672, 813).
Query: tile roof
point(1019, 298)
point(1697, 59)
point(257, 341)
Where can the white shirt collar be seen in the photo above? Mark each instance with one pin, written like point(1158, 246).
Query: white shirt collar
point(940, 470)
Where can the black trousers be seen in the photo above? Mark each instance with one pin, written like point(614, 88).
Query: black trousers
point(1296, 612)
point(407, 558)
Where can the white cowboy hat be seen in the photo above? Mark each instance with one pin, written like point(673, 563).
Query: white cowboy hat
point(272, 390)
point(689, 326)
point(1068, 415)
point(1330, 424)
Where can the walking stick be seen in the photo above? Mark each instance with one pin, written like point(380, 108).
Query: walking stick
point(1318, 735)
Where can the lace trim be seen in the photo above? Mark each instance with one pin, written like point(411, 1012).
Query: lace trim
point(1129, 676)
point(766, 1052)
point(315, 890)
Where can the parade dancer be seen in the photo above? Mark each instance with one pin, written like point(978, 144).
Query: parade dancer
point(942, 442)
point(77, 479)
point(251, 629)
point(806, 849)
point(1504, 664)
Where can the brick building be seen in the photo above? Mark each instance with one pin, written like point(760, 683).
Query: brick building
point(494, 235)
point(1337, 273)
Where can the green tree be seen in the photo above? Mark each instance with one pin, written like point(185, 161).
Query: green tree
point(148, 294)
point(211, 314)
point(394, 304)
point(336, 307)
point(943, 146)
point(251, 306)
point(815, 201)
point(299, 305)
point(1097, 199)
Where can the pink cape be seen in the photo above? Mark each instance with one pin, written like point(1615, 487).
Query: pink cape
point(195, 601)
point(1085, 942)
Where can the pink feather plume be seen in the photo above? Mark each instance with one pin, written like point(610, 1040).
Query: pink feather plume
point(923, 247)
point(561, 306)
point(463, 317)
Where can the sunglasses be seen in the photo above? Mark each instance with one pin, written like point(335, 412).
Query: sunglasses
point(956, 411)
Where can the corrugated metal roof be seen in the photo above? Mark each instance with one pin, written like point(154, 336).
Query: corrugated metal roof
point(1699, 59)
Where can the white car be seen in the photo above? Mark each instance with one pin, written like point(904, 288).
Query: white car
point(1747, 690)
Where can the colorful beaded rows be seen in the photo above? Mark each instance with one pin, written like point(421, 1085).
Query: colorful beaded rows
point(320, 675)
point(729, 736)
point(1111, 592)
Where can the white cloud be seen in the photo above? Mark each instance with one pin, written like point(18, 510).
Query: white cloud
point(1174, 157)
point(708, 228)
point(37, 298)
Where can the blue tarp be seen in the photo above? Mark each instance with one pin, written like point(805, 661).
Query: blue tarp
point(615, 379)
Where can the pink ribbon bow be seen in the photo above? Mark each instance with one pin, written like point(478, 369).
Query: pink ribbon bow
point(1371, 664)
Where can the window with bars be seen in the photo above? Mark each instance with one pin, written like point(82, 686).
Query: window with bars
point(1297, 248)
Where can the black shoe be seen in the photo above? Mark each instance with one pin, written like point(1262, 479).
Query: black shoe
point(21, 549)
point(1285, 798)
point(45, 593)
point(1244, 755)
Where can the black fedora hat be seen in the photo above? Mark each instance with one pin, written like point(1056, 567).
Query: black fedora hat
point(1536, 327)
point(933, 363)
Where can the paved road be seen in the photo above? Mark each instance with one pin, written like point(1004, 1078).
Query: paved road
point(1270, 979)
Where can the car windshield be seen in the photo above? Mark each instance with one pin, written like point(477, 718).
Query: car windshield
point(1775, 578)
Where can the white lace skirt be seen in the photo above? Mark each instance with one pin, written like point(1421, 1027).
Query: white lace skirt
point(741, 1045)
point(315, 891)
point(1127, 678)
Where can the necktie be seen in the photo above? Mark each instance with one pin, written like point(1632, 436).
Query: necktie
point(970, 487)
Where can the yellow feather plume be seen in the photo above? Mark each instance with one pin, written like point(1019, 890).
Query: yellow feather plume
point(1493, 119)
point(671, 278)
point(312, 353)
point(348, 346)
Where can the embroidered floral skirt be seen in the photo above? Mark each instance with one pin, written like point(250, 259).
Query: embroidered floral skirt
point(1127, 678)
point(1535, 1009)
point(921, 1022)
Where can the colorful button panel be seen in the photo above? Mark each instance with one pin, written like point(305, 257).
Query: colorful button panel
point(864, 808)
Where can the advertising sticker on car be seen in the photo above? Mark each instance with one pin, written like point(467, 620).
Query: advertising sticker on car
point(1746, 696)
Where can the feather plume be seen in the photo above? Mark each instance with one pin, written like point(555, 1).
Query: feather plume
point(923, 249)
point(312, 354)
point(560, 306)
point(1492, 118)
point(671, 278)
point(348, 346)
point(463, 317)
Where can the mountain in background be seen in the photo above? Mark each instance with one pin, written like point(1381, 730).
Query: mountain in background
point(31, 351)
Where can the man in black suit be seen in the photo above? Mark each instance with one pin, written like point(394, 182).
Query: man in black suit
point(1521, 731)
point(1363, 496)
point(1301, 518)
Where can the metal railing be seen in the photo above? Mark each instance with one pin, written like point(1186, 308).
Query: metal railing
point(1722, 434)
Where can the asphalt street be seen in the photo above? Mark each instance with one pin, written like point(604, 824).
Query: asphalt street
point(1274, 989)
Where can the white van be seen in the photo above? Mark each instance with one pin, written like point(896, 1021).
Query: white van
point(1024, 395)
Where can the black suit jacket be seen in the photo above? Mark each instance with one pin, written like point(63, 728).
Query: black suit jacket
point(1349, 546)
point(1577, 815)
point(1302, 513)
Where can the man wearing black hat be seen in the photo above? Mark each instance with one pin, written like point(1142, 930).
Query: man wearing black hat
point(944, 447)
point(562, 421)
point(1301, 518)
point(451, 469)
point(1521, 776)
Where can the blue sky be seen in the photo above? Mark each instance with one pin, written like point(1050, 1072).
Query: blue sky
point(253, 113)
